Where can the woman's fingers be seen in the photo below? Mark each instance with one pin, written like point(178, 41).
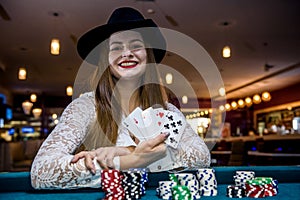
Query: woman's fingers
point(89, 163)
point(89, 156)
point(104, 156)
point(158, 140)
point(78, 156)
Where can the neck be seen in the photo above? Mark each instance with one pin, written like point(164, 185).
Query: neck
point(127, 94)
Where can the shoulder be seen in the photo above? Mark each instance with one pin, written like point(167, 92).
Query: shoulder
point(87, 98)
point(85, 103)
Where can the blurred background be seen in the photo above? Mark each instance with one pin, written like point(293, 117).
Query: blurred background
point(255, 46)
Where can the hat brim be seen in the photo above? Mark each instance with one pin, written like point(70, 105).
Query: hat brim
point(91, 39)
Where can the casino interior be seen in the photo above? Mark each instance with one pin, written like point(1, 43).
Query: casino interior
point(246, 106)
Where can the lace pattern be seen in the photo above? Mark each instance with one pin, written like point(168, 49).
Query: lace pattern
point(51, 168)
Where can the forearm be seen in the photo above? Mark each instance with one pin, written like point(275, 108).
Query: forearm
point(192, 151)
point(57, 172)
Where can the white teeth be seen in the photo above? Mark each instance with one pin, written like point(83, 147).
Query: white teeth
point(127, 64)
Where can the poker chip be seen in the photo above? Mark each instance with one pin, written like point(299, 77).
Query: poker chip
point(234, 191)
point(111, 184)
point(207, 182)
point(255, 191)
point(181, 192)
point(189, 180)
point(164, 189)
point(247, 185)
point(144, 178)
point(131, 183)
point(173, 178)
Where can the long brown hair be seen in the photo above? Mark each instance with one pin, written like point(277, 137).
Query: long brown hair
point(109, 112)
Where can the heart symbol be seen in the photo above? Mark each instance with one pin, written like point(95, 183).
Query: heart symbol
point(161, 114)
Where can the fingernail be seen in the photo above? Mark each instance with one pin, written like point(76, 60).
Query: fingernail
point(167, 135)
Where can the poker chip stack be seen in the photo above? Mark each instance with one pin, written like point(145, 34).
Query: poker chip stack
point(247, 185)
point(241, 177)
point(180, 186)
point(144, 178)
point(111, 183)
point(208, 182)
point(164, 189)
point(234, 191)
point(181, 192)
point(190, 181)
point(131, 183)
point(261, 187)
point(127, 185)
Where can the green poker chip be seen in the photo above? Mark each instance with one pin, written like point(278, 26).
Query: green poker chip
point(181, 192)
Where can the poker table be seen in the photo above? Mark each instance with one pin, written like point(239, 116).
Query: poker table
point(16, 185)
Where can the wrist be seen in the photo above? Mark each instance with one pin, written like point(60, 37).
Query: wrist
point(130, 161)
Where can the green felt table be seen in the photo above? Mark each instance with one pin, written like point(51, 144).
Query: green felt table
point(16, 185)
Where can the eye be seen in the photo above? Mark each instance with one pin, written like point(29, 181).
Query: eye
point(137, 45)
point(115, 48)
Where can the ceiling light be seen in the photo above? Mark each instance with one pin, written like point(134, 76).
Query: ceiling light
point(169, 78)
point(241, 103)
point(184, 99)
point(226, 52)
point(248, 101)
point(27, 105)
point(221, 108)
point(69, 91)
point(256, 99)
point(22, 73)
point(222, 91)
point(266, 96)
point(55, 46)
point(234, 105)
point(54, 116)
point(227, 106)
point(33, 97)
point(37, 112)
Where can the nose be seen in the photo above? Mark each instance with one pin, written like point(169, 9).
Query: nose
point(126, 52)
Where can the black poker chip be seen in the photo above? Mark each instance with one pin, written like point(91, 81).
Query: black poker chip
point(234, 191)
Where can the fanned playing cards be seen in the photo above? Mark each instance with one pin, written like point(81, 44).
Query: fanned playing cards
point(147, 124)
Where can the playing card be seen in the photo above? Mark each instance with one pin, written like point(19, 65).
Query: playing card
point(174, 124)
point(134, 123)
point(149, 123)
point(152, 123)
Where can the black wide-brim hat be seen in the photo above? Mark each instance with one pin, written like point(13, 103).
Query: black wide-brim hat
point(122, 19)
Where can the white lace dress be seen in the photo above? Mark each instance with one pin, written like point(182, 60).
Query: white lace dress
point(52, 167)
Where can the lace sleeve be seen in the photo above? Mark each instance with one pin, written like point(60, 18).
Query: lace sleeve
point(192, 152)
point(51, 167)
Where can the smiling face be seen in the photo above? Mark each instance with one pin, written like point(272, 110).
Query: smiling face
point(127, 55)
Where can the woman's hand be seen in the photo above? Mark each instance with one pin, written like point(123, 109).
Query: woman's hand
point(145, 153)
point(103, 155)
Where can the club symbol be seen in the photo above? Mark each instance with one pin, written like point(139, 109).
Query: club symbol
point(173, 124)
point(172, 140)
point(179, 123)
point(170, 117)
point(167, 126)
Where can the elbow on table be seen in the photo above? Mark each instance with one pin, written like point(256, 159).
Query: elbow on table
point(34, 179)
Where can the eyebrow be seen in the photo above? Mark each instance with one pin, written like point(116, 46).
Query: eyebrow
point(131, 41)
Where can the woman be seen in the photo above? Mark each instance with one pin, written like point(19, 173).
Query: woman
point(127, 78)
